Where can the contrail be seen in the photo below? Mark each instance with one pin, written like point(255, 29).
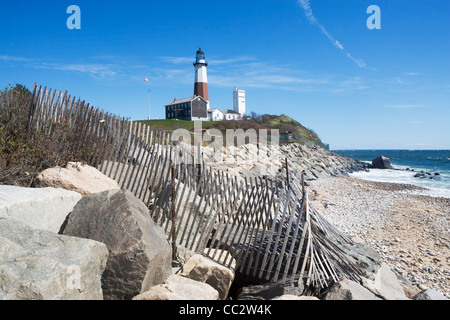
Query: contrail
point(305, 4)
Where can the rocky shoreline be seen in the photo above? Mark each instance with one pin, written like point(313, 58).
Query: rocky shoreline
point(107, 234)
point(270, 161)
point(410, 231)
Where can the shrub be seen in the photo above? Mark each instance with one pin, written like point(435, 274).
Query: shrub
point(24, 153)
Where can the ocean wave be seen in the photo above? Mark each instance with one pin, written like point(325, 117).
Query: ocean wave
point(436, 187)
point(431, 192)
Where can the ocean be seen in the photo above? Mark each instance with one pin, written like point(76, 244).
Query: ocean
point(428, 161)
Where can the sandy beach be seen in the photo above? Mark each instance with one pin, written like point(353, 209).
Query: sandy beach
point(410, 231)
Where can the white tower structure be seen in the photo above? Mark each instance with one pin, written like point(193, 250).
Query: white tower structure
point(239, 101)
point(201, 77)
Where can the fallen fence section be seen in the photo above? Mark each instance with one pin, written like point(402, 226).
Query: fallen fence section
point(271, 232)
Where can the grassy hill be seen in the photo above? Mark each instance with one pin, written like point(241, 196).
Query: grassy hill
point(283, 123)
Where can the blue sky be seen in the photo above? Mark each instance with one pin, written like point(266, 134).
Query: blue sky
point(315, 61)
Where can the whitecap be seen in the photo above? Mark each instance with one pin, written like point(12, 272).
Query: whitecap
point(438, 188)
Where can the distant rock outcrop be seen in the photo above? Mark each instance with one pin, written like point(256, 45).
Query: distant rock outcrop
point(381, 163)
point(269, 161)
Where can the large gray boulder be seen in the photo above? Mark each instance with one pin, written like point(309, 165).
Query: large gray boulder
point(365, 259)
point(348, 290)
point(42, 265)
point(385, 284)
point(140, 256)
point(45, 208)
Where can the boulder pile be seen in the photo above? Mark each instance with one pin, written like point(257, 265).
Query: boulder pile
point(270, 161)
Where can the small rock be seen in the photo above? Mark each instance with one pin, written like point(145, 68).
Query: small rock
point(176, 287)
point(429, 294)
point(269, 291)
point(203, 269)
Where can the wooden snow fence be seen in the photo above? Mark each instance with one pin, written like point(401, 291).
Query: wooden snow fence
point(270, 231)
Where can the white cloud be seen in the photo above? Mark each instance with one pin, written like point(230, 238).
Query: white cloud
point(12, 58)
point(403, 106)
point(97, 71)
point(190, 60)
point(349, 84)
point(232, 60)
point(177, 60)
point(265, 74)
point(243, 71)
point(412, 74)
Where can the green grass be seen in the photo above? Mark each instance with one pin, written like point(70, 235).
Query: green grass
point(173, 124)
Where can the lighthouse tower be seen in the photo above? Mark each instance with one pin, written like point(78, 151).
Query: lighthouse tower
point(201, 77)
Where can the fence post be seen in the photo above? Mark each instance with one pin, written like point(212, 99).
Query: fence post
point(287, 174)
point(303, 181)
point(173, 217)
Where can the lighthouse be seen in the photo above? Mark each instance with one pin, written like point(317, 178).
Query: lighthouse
point(201, 77)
